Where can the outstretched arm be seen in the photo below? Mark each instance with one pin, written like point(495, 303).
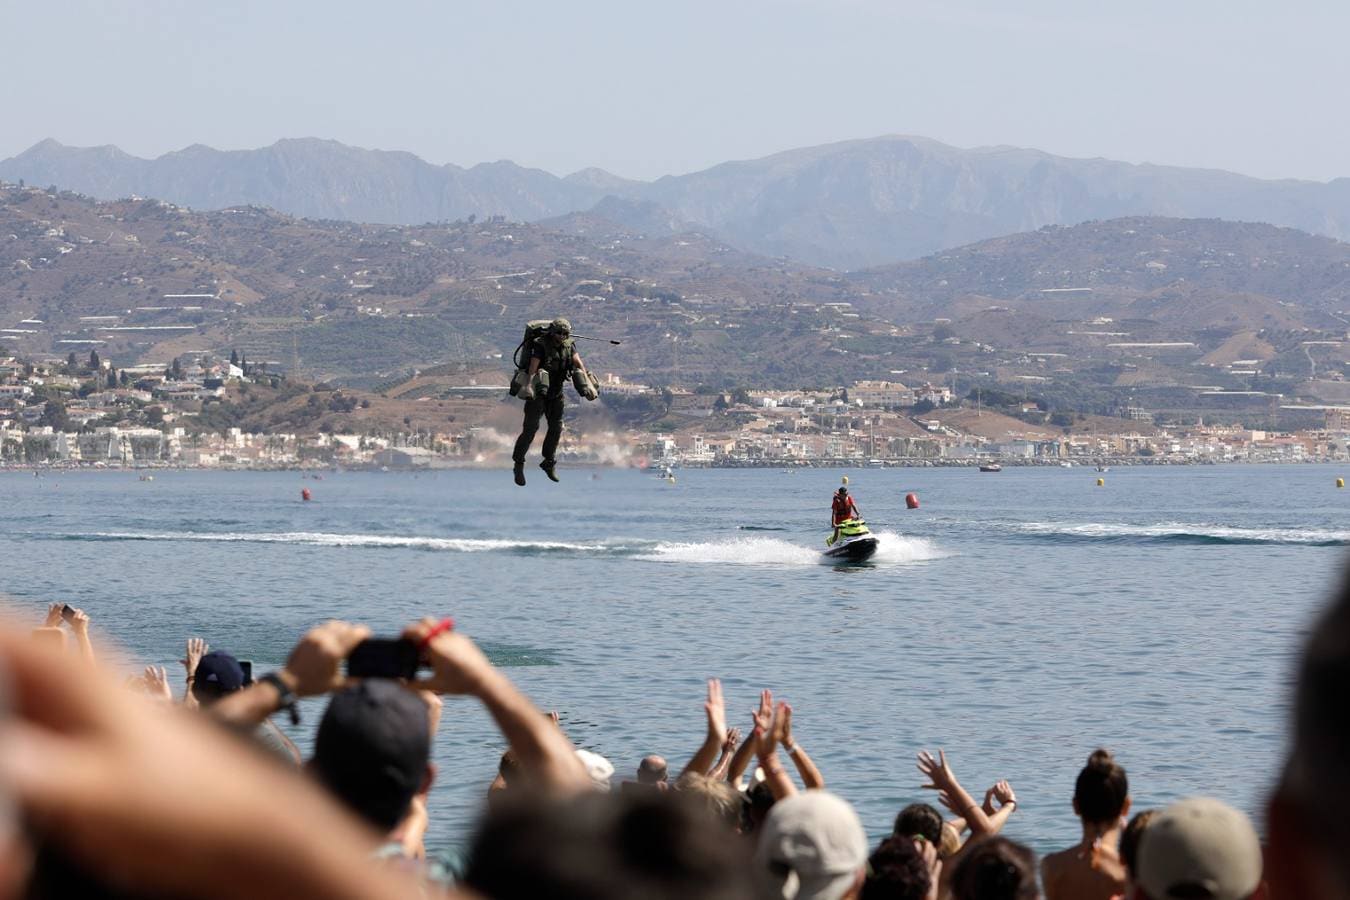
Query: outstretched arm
point(741, 760)
point(942, 779)
point(810, 775)
point(730, 749)
point(79, 623)
point(459, 667)
point(1007, 804)
point(715, 709)
point(196, 649)
point(135, 793)
point(768, 731)
point(314, 667)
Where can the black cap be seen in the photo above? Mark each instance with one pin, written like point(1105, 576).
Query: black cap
point(218, 674)
point(372, 748)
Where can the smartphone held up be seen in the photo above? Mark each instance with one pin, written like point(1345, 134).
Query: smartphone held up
point(384, 658)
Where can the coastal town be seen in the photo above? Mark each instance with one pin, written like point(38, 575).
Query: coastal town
point(87, 412)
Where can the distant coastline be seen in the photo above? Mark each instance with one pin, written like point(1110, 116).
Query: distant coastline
point(787, 464)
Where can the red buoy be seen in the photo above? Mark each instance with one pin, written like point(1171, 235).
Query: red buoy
point(304, 493)
point(912, 501)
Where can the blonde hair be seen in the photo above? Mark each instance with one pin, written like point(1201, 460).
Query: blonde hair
point(718, 797)
point(951, 841)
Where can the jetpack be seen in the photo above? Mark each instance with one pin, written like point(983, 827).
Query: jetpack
point(522, 385)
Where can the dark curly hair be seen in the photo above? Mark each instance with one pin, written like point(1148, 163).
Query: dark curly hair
point(896, 871)
point(995, 868)
point(919, 818)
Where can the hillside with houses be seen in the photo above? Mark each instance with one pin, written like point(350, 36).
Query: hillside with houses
point(1165, 320)
point(210, 412)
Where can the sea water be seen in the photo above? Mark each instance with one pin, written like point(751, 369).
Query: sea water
point(1017, 620)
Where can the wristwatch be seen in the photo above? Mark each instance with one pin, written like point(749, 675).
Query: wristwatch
point(285, 696)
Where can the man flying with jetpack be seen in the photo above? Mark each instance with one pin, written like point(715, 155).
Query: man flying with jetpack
point(545, 360)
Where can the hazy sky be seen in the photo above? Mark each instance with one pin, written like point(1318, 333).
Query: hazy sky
point(643, 88)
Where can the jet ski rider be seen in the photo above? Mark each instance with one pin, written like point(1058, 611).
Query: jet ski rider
point(842, 508)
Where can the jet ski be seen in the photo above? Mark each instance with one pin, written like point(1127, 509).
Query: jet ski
point(855, 542)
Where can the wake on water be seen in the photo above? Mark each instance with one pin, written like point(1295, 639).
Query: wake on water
point(1182, 533)
point(893, 549)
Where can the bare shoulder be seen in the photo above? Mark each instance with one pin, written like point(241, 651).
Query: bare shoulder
point(1057, 859)
point(1052, 865)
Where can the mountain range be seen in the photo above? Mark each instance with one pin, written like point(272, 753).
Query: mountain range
point(846, 206)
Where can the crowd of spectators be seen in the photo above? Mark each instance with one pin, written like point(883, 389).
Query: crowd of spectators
point(116, 787)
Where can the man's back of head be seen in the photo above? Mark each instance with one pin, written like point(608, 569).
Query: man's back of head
point(606, 847)
point(652, 770)
point(372, 749)
point(218, 674)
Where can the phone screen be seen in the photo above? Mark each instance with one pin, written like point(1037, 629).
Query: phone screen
point(383, 658)
point(67, 612)
point(247, 666)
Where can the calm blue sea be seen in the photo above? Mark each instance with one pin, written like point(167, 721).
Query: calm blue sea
point(1018, 620)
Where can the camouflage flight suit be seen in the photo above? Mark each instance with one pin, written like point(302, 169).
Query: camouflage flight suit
point(557, 361)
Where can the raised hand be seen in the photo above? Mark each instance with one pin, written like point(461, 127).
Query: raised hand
point(53, 615)
point(716, 710)
point(457, 665)
point(763, 733)
point(939, 774)
point(733, 740)
point(1003, 792)
point(79, 622)
point(315, 665)
point(157, 684)
point(196, 649)
point(782, 724)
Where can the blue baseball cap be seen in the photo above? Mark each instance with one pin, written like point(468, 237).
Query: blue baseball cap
point(219, 673)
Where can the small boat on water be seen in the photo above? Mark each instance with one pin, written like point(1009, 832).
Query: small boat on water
point(991, 467)
point(1103, 468)
point(856, 543)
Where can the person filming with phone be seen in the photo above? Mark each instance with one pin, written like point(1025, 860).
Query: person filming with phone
point(373, 746)
point(77, 621)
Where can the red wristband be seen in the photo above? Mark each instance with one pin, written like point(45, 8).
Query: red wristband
point(441, 627)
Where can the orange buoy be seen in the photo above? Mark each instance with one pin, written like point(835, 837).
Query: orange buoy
point(304, 494)
point(912, 501)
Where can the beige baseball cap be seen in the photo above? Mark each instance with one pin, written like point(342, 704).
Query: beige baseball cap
point(1199, 847)
point(811, 847)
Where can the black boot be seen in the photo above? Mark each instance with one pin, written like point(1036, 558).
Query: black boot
point(520, 473)
point(550, 469)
